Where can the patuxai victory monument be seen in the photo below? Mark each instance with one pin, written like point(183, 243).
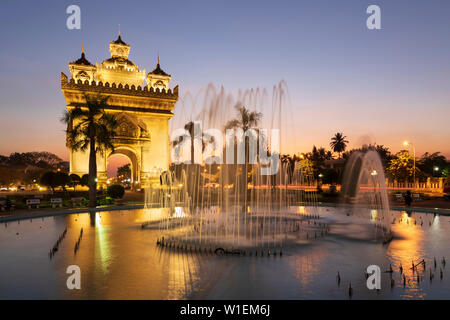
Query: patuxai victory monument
point(142, 109)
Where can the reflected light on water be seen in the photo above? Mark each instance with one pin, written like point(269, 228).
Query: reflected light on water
point(120, 260)
point(307, 267)
point(405, 251)
point(102, 244)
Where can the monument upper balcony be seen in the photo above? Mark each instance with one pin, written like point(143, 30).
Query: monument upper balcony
point(125, 97)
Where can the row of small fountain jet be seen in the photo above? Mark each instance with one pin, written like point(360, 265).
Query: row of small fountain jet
point(418, 274)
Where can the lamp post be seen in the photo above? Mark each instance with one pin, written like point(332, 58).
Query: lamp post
point(406, 144)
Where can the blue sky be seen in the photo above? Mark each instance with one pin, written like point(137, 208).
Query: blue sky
point(379, 86)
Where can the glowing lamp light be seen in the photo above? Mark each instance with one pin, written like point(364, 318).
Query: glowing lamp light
point(436, 168)
point(405, 143)
point(374, 173)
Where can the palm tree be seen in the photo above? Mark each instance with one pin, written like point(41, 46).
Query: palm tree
point(91, 127)
point(338, 143)
point(246, 120)
point(290, 162)
point(318, 156)
point(194, 132)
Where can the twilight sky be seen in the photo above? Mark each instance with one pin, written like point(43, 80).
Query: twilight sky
point(380, 86)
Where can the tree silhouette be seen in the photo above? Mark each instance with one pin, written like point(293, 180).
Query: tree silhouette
point(245, 120)
point(339, 143)
point(90, 127)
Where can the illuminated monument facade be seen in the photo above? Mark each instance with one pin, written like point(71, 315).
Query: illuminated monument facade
point(142, 109)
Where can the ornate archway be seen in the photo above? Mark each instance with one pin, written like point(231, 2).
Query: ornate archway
point(133, 141)
point(134, 161)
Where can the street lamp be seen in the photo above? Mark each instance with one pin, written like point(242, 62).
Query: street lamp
point(406, 144)
point(436, 169)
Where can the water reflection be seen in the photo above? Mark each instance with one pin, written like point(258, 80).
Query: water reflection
point(119, 260)
point(407, 250)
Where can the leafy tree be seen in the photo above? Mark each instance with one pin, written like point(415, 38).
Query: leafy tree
point(446, 171)
point(90, 127)
point(124, 171)
point(339, 143)
point(430, 162)
point(317, 157)
point(44, 160)
point(48, 180)
point(55, 179)
point(61, 179)
point(85, 180)
point(28, 167)
point(306, 167)
point(384, 152)
point(401, 166)
point(74, 180)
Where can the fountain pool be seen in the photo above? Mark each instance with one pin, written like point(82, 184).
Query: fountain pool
point(120, 260)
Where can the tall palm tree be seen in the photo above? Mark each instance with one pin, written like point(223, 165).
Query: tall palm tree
point(90, 127)
point(193, 133)
point(290, 162)
point(339, 143)
point(245, 120)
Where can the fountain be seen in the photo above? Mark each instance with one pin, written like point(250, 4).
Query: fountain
point(212, 218)
point(211, 206)
point(364, 186)
point(217, 207)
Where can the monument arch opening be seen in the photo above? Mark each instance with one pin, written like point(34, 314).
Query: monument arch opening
point(121, 157)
